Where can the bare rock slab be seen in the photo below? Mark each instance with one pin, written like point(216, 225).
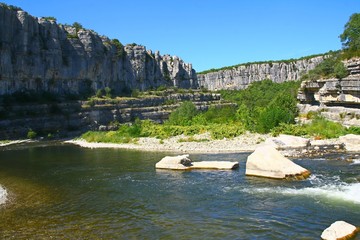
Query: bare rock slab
point(351, 142)
point(284, 141)
point(339, 230)
point(183, 162)
point(220, 165)
point(268, 162)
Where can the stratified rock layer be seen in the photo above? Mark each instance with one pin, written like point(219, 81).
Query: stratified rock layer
point(37, 54)
point(335, 99)
point(242, 76)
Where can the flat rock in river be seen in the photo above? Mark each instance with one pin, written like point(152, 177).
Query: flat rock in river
point(183, 162)
point(221, 165)
point(268, 162)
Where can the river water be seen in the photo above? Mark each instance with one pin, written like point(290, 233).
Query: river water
point(66, 192)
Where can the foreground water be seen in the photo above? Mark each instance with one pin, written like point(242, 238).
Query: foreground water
point(66, 192)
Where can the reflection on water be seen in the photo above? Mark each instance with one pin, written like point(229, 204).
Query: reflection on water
point(66, 192)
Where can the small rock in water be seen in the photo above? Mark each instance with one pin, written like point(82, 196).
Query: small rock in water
point(339, 230)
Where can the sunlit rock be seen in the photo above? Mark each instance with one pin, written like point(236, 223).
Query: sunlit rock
point(339, 230)
point(287, 141)
point(266, 161)
point(351, 141)
point(183, 162)
point(221, 165)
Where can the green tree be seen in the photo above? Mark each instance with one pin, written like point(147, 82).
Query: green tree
point(77, 26)
point(350, 38)
point(183, 114)
point(340, 70)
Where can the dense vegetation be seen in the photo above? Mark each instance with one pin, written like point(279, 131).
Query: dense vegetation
point(264, 107)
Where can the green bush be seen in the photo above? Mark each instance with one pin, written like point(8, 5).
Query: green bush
point(31, 134)
point(183, 115)
point(220, 131)
point(99, 93)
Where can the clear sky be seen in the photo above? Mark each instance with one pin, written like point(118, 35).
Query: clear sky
point(210, 33)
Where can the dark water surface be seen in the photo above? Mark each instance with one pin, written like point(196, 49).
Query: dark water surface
point(67, 192)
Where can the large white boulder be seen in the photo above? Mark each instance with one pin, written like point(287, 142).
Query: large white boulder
point(266, 161)
point(351, 141)
point(284, 141)
point(181, 162)
point(220, 165)
point(339, 230)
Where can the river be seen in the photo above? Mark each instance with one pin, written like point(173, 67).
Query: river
point(63, 191)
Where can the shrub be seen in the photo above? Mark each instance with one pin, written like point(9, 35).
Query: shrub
point(323, 128)
point(183, 114)
point(99, 93)
point(31, 134)
point(108, 92)
point(340, 70)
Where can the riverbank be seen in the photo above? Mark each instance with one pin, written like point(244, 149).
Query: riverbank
point(248, 142)
point(199, 143)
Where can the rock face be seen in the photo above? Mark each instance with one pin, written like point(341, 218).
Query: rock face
point(62, 118)
point(37, 54)
point(241, 76)
point(266, 161)
point(336, 99)
point(183, 162)
point(339, 230)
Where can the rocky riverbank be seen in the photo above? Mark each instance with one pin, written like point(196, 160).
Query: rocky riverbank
point(202, 143)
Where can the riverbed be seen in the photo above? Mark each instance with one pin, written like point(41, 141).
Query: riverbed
point(64, 191)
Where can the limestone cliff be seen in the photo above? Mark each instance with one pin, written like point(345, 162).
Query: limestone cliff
point(241, 76)
point(38, 54)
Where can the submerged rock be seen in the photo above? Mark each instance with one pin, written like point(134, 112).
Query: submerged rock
point(183, 162)
point(268, 162)
point(339, 230)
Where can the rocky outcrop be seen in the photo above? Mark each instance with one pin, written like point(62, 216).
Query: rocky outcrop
point(37, 54)
point(242, 76)
point(339, 230)
point(183, 162)
point(335, 99)
point(61, 118)
point(266, 161)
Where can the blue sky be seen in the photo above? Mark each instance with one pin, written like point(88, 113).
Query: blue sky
point(210, 33)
